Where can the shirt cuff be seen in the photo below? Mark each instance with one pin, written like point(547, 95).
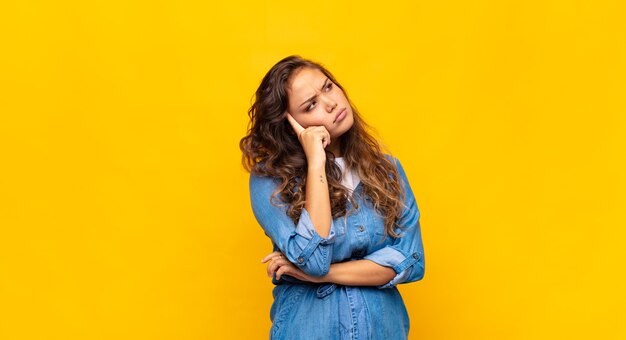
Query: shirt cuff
point(401, 264)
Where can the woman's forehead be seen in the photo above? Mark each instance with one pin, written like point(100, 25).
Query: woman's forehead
point(306, 82)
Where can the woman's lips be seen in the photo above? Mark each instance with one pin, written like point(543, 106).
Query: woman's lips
point(340, 116)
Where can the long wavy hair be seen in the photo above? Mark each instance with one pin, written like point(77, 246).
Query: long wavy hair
point(271, 148)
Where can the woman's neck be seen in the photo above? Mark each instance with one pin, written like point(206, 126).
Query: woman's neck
point(335, 148)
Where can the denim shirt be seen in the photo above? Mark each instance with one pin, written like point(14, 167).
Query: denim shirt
point(356, 236)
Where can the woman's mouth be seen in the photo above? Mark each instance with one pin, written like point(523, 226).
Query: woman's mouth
point(340, 115)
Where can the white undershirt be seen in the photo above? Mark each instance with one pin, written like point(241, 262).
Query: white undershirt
point(349, 178)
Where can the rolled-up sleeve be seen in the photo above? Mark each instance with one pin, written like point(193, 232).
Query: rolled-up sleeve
point(406, 254)
point(300, 242)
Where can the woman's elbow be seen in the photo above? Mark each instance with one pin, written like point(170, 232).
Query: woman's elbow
point(418, 272)
point(316, 265)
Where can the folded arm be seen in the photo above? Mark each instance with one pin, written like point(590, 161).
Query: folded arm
point(358, 273)
point(301, 243)
point(349, 273)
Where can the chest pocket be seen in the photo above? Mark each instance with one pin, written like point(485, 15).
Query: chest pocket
point(377, 223)
point(375, 219)
point(340, 226)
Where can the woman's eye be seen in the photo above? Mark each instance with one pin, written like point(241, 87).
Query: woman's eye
point(308, 108)
point(329, 86)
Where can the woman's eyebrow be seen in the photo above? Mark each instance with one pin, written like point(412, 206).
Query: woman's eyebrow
point(315, 95)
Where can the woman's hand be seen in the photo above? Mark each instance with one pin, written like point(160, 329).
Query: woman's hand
point(314, 139)
point(279, 264)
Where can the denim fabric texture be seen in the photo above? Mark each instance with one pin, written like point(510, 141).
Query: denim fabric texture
point(304, 310)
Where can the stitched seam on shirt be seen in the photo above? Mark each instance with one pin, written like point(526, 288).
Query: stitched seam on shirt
point(353, 321)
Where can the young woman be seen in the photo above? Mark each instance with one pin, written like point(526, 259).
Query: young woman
point(341, 214)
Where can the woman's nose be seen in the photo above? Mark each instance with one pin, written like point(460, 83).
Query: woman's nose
point(330, 104)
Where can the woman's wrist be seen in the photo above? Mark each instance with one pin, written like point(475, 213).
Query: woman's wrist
point(317, 165)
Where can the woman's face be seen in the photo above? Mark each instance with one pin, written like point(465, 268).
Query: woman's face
point(314, 100)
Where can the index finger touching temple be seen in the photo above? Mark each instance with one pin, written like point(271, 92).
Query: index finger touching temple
point(296, 126)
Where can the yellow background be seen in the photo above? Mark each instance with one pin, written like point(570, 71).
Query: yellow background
point(124, 209)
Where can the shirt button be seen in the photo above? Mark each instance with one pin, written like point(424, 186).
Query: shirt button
point(361, 228)
point(415, 255)
point(300, 259)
